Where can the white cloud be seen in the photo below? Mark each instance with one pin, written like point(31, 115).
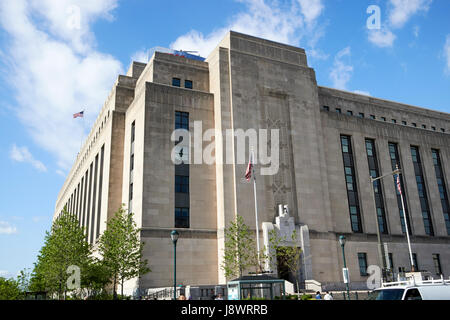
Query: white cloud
point(342, 72)
point(263, 18)
point(22, 154)
point(362, 92)
point(399, 13)
point(402, 10)
point(447, 54)
point(382, 38)
point(311, 9)
point(5, 274)
point(6, 228)
point(141, 56)
point(55, 71)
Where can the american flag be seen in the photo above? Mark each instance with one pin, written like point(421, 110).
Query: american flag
point(399, 186)
point(248, 172)
point(79, 114)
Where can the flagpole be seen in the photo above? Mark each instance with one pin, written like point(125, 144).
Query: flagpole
point(406, 224)
point(256, 207)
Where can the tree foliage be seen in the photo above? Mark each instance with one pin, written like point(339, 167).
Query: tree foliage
point(65, 245)
point(240, 252)
point(121, 249)
point(289, 255)
point(10, 289)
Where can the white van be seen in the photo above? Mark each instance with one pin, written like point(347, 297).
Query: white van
point(413, 290)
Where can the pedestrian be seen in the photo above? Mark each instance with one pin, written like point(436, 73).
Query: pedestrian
point(219, 297)
point(328, 296)
point(182, 297)
point(318, 296)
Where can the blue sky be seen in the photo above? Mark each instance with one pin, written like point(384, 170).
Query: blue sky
point(59, 57)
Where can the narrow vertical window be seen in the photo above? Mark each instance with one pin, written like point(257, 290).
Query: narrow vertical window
point(181, 217)
point(83, 223)
point(416, 262)
point(130, 191)
point(181, 120)
point(422, 191)
point(133, 131)
point(378, 192)
point(100, 185)
point(443, 195)
point(350, 178)
point(437, 264)
point(395, 161)
point(94, 197)
point(182, 199)
point(81, 202)
point(391, 261)
point(362, 260)
point(88, 212)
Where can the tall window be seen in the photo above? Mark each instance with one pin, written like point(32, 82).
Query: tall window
point(374, 173)
point(437, 264)
point(182, 199)
point(416, 262)
point(181, 120)
point(350, 178)
point(422, 191)
point(181, 184)
point(130, 191)
point(391, 260)
point(395, 161)
point(442, 187)
point(93, 200)
point(181, 217)
point(100, 186)
point(362, 259)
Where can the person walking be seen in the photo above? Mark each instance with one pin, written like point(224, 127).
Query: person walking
point(318, 296)
point(328, 296)
point(219, 297)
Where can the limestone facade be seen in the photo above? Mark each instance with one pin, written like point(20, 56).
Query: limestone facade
point(251, 83)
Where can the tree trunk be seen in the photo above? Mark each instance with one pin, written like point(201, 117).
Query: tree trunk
point(121, 291)
point(114, 288)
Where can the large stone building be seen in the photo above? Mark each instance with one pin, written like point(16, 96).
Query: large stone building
point(330, 142)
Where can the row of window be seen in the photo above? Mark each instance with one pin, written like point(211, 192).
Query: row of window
point(352, 188)
point(80, 205)
point(373, 117)
point(362, 261)
point(188, 84)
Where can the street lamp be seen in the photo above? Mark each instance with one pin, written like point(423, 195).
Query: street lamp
point(345, 271)
point(174, 236)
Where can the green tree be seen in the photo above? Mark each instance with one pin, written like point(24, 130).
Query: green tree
point(95, 278)
point(240, 251)
point(10, 289)
point(121, 249)
point(287, 255)
point(65, 245)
